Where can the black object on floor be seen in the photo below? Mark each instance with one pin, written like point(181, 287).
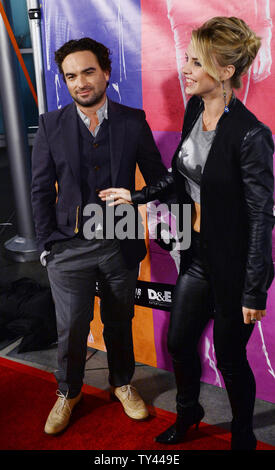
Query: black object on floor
point(27, 310)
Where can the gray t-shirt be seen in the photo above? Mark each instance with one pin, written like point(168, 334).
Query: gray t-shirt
point(192, 158)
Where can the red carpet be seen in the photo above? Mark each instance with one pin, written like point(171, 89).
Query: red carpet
point(27, 395)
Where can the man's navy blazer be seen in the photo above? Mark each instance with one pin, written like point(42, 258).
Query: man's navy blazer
point(56, 164)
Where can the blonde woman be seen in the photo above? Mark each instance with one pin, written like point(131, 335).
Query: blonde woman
point(223, 167)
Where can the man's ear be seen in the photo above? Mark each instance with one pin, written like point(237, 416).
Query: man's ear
point(107, 76)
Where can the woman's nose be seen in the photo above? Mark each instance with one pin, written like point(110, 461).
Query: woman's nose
point(186, 68)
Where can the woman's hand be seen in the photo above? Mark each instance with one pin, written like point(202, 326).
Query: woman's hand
point(116, 196)
point(251, 316)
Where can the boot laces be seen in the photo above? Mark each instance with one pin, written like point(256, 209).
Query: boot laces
point(63, 403)
point(131, 392)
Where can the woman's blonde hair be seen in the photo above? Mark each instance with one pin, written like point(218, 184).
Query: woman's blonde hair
point(226, 41)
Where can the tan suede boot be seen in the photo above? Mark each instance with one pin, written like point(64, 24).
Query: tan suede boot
point(131, 401)
point(60, 414)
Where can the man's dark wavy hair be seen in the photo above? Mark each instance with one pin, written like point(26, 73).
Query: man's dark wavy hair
point(84, 44)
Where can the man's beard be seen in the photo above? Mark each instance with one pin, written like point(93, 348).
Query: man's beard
point(93, 100)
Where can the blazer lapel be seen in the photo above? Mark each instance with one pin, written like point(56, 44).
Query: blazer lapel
point(116, 137)
point(70, 139)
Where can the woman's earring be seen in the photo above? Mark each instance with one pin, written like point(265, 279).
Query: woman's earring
point(226, 109)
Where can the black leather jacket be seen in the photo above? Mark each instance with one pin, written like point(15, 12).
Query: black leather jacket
point(236, 206)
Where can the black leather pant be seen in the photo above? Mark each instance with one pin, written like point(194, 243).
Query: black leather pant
point(193, 307)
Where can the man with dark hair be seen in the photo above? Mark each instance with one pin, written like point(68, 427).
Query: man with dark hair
point(101, 52)
point(89, 145)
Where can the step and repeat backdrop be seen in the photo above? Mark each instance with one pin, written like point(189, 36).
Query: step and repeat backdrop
point(147, 39)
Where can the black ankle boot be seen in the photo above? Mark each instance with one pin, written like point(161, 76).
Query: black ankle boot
point(186, 418)
point(243, 438)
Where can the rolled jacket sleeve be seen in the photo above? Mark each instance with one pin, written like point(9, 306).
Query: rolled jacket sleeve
point(159, 190)
point(258, 186)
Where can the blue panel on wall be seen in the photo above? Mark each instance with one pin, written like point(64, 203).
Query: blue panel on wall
point(116, 24)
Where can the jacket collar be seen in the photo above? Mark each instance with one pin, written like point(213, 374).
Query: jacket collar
point(194, 108)
point(70, 137)
point(117, 125)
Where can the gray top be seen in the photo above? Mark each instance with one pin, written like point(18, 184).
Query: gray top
point(192, 158)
